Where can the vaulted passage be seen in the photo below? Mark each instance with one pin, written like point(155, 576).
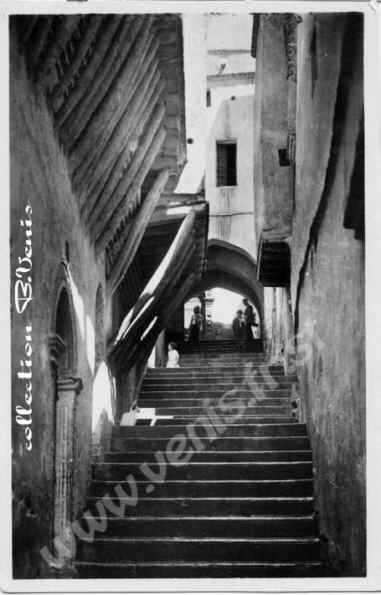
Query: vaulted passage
point(222, 477)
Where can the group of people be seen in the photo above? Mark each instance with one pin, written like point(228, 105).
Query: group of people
point(245, 325)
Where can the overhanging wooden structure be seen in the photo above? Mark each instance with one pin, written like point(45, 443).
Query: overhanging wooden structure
point(273, 261)
point(172, 268)
point(115, 88)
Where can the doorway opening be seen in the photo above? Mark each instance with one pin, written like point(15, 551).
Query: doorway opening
point(219, 307)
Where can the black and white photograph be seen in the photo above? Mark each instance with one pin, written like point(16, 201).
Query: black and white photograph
point(187, 193)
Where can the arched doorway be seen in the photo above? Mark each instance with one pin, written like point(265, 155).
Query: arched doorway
point(231, 268)
point(219, 307)
point(65, 333)
point(63, 358)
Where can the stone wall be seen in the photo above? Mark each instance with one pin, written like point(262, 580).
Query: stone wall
point(232, 207)
point(317, 323)
point(273, 204)
point(61, 254)
point(327, 279)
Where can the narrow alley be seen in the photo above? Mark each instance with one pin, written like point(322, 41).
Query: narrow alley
point(188, 311)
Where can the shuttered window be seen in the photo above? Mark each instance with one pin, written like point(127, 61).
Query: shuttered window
point(226, 163)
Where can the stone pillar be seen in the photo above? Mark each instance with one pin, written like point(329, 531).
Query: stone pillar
point(68, 389)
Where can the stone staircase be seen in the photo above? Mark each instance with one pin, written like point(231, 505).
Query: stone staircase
point(223, 480)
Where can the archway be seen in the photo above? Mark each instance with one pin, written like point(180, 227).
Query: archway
point(231, 268)
point(219, 307)
point(64, 332)
point(63, 358)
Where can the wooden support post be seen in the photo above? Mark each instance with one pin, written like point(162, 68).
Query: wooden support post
point(93, 213)
point(136, 232)
point(113, 102)
point(107, 31)
point(106, 75)
point(123, 203)
point(71, 73)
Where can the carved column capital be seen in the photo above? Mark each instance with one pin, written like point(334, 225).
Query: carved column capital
point(56, 348)
point(66, 384)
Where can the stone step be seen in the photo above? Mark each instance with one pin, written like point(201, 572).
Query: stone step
point(222, 444)
point(223, 357)
point(239, 394)
point(199, 470)
point(264, 488)
point(286, 418)
point(229, 431)
point(270, 384)
point(174, 402)
point(210, 506)
point(226, 360)
point(249, 411)
point(167, 549)
point(210, 527)
point(173, 569)
point(233, 372)
point(212, 456)
point(243, 368)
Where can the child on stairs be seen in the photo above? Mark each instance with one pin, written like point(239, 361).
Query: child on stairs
point(173, 356)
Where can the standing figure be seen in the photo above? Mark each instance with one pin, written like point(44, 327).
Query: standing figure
point(250, 322)
point(196, 325)
point(238, 325)
point(173, 356)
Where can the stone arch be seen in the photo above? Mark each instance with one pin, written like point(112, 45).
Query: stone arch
point(63, 336)
point(63, 359)
point(64, 330)
point(232, 268)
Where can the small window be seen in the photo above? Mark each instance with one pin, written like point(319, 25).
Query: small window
point(226, 163)
point(208, 98)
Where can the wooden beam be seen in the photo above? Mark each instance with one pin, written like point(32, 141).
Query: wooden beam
point(63, 34)
point(101, 155)
point(159, 280)
point(39, 39)
point(75, 66)
point(117, 137)
point(123, 201)
point(93, 213)
point(108, 113)
point(29, 29)
point(109, 169)
point(144, 309)
point(106, 34)
point(136, 232)
point(106, 75)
